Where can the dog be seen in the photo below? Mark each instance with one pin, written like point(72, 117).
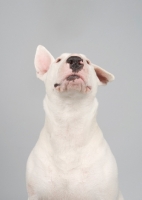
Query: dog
point(71, 159)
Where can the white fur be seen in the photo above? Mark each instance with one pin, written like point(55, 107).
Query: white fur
point(71, 159)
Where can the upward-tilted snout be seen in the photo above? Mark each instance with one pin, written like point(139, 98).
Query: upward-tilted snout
point(69, 72)
point(76, 63)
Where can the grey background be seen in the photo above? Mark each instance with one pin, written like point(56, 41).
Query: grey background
point(110, 34)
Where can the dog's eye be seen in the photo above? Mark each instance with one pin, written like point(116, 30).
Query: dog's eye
point(88, 62)
point(58, 60)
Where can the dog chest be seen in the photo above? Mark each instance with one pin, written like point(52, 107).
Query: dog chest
point(98, 179)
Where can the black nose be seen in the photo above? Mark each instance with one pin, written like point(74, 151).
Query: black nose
point(76, 63)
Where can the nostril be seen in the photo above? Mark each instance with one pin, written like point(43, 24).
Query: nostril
point(80, 62)
point(74, 60)
point(71, 62)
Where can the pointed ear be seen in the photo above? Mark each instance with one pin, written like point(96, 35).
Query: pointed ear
point(43, 60)
point(103, 76)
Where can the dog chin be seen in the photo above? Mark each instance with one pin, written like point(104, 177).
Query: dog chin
point(72, 85)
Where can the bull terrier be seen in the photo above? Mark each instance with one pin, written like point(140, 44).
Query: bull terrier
point(71, 159)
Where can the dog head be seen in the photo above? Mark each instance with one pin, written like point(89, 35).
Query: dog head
point(69, 73)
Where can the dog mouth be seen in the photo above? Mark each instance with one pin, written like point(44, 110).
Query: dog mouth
point(72, 77)
point(72, 82)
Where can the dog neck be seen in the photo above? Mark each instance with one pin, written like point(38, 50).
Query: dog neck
point(70, 121)
point(70, 129)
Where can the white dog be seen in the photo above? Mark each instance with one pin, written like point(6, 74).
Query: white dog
point(71, 159)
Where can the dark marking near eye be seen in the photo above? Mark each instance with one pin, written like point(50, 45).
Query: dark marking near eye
point(56, 84)
point(58, 60)
point(88, 62)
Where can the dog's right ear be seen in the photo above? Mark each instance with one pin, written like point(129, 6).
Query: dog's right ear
point(43, 60)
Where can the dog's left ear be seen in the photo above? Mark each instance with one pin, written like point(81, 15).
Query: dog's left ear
point(103, 75)
point(43, 60)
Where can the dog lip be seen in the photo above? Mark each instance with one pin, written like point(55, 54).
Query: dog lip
point(56, 84)
point(74, 76)
point(70, 77)
point(77, 76)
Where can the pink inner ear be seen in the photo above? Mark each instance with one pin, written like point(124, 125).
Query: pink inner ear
point(42, 63)
point(102, 76)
